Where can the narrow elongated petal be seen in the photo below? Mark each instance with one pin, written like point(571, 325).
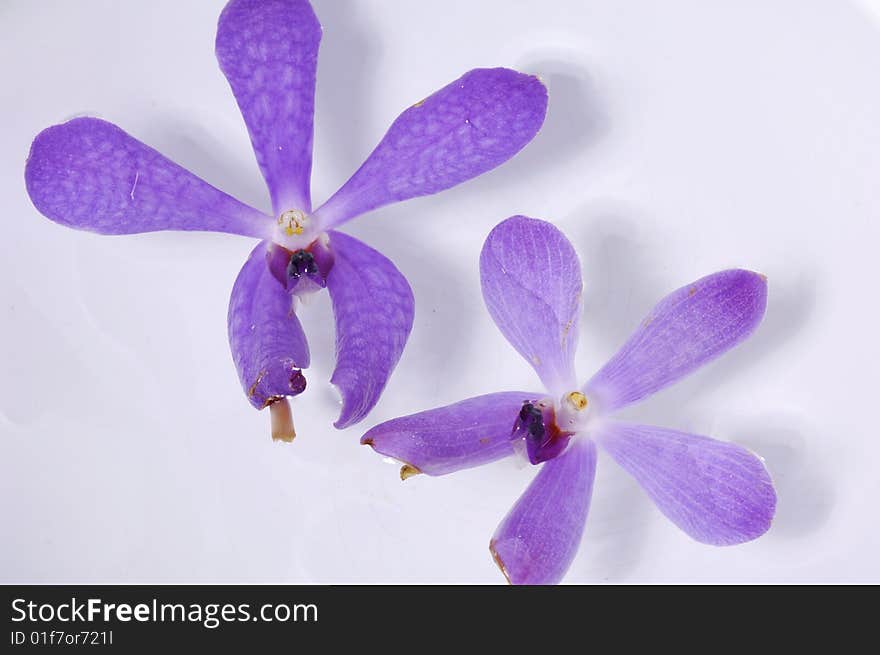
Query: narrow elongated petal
point(532, 287)
point(459, 436)
point(267, 340)
point(268, 50)
point(90, 175)
point(537, 541)
point(463, 130)
point(374, 308)
point(687, 329)
point(718, 493)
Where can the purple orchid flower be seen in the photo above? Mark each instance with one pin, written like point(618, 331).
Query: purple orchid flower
point(88, 174)
point(718, 493)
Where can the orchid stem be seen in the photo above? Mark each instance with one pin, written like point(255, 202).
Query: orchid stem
point(282, 420)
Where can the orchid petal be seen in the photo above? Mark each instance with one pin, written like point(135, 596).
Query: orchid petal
point(268, 50)
point(537, 541)
point(446, 439)
point(90, 175)
point(463, 130)
point(268, 344)
point(718, 493)
point(687, 329)
point(374, 308)
point(532, 287)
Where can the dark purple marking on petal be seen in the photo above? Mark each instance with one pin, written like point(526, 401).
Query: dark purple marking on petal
point(297, 383)
point(536, 425)
point(718, 493)
point(303, 275)
point(277, 259)
point(687, 329)
point(530, 423)
point(374, 308)
point(462, 435)
point(463, 130)
point(90, 175)
point(268, 50)
point(267, 340)
point(531, 281)
point(301, 264)
point(538, 539)
point(302, 271)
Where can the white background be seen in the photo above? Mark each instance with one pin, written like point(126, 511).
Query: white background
point(683, 137)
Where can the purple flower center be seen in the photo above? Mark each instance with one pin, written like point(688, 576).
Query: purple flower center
point(536, 424)
point(300, 271)
point(532, 421)
point(302, 262)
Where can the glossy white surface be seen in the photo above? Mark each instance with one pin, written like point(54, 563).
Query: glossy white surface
point(683, 137)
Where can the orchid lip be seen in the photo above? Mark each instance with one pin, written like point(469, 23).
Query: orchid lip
point(301, 263)
point(537, 425)
point(304, 270)
point(546, 427)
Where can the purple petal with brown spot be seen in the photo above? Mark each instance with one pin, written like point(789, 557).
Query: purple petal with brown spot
point(447, 439)
point(537, 541)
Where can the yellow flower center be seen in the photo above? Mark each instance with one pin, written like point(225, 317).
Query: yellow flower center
point(577, 400)
point(293, 222)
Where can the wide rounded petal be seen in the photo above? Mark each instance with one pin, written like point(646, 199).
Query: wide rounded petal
point(537, 541)
point(267, 340)
point(268, 50)
point(474, 124)
point(687, 329)
point(374, 308)
point(532, 287)
point(462, 435)
point(718, 493)
point(90, 175)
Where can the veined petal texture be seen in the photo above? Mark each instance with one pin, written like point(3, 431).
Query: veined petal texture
point(88, 174)
point(531, 280)
point(718, 493)
point(463, 130)
point(374, 308)
point(538, 539)
point(268, 50)
point(687, 329)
